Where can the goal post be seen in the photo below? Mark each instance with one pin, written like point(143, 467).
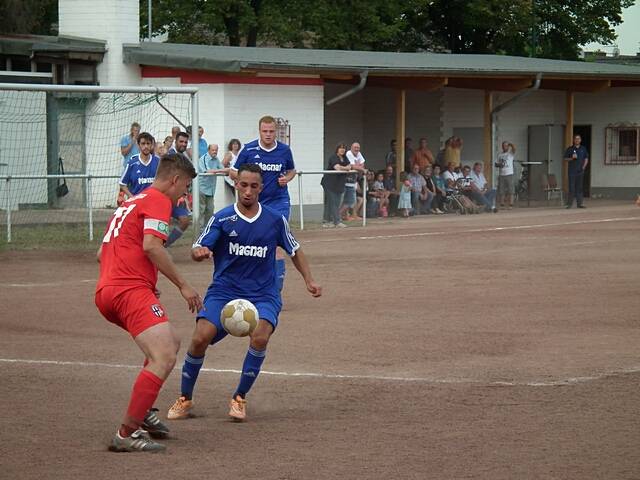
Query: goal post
point(77, 129)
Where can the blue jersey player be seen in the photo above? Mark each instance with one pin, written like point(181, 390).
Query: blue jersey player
point(276, 161)
point(242, 239)
point(141, 168)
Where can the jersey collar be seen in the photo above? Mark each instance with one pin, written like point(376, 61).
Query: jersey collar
point(247, 219)
point(275, 145)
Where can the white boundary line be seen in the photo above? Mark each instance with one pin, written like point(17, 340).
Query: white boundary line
point(329, 376)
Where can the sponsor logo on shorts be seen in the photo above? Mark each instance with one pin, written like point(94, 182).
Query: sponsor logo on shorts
point(157, 310)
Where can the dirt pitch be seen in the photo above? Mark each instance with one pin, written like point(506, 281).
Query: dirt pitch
point(491, 346)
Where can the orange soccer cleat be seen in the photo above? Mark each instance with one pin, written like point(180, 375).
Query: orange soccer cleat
point(238, 409)
point(180, 409)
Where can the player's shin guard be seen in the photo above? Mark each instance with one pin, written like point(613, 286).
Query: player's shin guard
point(280, 273)
point(175, 234)
point(145, 391)
point(250, 370)
point(190, 371)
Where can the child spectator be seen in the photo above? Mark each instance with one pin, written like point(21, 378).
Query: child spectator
point(404, 201)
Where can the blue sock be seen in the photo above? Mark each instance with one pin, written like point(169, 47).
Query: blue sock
point(175, 234)
point(280, 273)
point(250, 371)
point(190, 371)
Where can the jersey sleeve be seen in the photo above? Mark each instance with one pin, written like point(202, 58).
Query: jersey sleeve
point(156, 216)
point(210, 234)
point(126, 176)
point(288, 161)
point(240, 160)
point(286, 240)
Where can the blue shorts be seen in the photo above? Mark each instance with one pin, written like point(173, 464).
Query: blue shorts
point(349, 198)
point(180, 211)
point(283, 208)
point(267, 310)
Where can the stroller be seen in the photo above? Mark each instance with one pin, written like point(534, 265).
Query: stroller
point(458, 201)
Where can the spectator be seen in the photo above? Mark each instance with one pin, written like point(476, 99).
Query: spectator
point(431, 188)
point(161, 150)
point(180, 144)
point(389, 183)
point(451, 152)
point(333, 186)
point(404, 200)
point(440, 201)
point(129, 144)
point(229, 160)
point(419, 196)
point(350, 201)
point(480, 187)
point(379, 192)
point(391, 157)
point(408, 154)
point(208, 163)
point(174, 132)
point(505, 174)
point(202, 143)
point(577, 157)
point(422, 156)
point(168, 142)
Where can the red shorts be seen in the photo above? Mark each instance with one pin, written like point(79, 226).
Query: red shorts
point(133, 309)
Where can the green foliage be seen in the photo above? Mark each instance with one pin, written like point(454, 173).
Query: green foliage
point(37, 17)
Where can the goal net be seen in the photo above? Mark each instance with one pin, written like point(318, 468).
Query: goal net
point(47, 133)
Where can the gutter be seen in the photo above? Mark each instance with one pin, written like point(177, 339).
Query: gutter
point(348, 93)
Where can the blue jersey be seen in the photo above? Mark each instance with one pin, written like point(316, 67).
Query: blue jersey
point(244, 253)
point(137, 176)
point(274, 163)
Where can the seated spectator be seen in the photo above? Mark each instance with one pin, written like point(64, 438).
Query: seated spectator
point(450, 177)
point(378, 196)
point(482, 193)
point(389, 183)
point(431, 189)
point(404, 200)
point(421, 198)
point(440, 201)
point(466, 187)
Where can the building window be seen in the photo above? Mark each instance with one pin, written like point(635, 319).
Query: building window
point(622, 145)
point(283, 130)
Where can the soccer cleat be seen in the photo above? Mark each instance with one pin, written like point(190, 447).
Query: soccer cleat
point(139, 441)
point(153, 425)
point(180, 409)
point(238, 409)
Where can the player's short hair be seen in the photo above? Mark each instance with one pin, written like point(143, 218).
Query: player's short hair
point(182, 134)
point(146, 136)
point(250, 167)
point(174, 163)
point(266, 119)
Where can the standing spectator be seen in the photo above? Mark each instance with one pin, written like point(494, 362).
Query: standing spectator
point(408, 154)
point(422, 156)
point(333, 186)
point(578, 158)
point(209, 163)
point(202, 144)
point(391, 157)
point(168, 142)
point(480, 186)
point(452, 150)
point(129, 144)
point(350, 201)
point(174, 132)
point(419, 195)
point(229, 160)
point(505, 174)
point(404, 200)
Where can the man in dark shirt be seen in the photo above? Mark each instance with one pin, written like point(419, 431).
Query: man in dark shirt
point(578, 158)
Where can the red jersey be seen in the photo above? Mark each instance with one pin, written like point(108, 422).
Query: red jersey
point(123, 261)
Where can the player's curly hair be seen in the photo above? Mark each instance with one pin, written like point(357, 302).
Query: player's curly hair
point(172, 163)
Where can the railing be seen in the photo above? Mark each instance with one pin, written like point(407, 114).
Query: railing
point(196, 213)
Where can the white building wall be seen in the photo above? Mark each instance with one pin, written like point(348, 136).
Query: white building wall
point(116, 21)
point(599, 110)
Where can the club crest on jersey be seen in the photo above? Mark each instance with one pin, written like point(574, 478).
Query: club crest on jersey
point(157, 310)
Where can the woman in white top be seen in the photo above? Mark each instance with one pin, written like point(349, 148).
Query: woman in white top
point(505, 174)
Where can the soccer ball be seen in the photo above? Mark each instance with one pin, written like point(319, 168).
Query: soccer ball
point(239, 317)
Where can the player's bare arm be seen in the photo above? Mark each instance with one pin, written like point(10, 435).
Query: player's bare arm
point(154, 249)
point(125, 189)
point(199, 254)
point(99, 253)
point(302, 265)
point(287, 177)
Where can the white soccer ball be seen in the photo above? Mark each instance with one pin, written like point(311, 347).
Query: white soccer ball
point(239, 317)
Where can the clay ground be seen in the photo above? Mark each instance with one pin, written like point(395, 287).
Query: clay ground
point(489, 346)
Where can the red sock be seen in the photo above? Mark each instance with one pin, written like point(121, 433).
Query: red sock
point(145, 392)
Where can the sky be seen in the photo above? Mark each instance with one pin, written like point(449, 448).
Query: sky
point(628, 33)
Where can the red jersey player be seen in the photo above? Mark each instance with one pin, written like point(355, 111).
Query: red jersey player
point(130, 256)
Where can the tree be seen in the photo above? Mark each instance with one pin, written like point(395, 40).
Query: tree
point(38, 17)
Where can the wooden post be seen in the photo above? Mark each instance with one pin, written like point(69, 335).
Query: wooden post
point(400, 133)
point(568, 140)
point(488, 133)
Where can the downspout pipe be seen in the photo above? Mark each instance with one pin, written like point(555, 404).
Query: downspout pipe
point(348, 93)
point(502, 106)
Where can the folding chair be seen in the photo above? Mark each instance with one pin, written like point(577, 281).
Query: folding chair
point(550, 187)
